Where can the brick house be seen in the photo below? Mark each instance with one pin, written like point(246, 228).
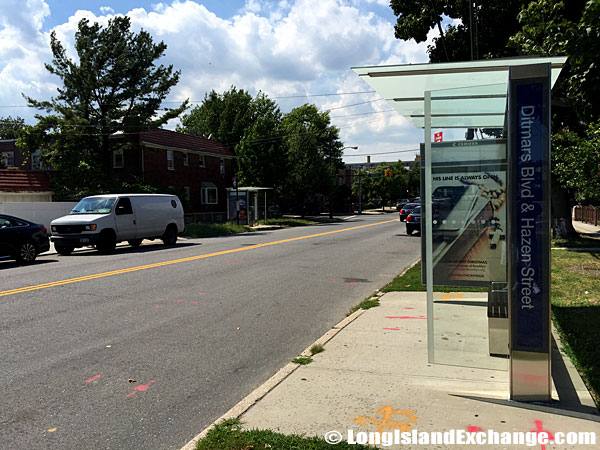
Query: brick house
point(20, 181)
point(201, 169)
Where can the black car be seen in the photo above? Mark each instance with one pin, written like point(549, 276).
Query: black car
point(413, 221)
point(406, 210)
point(22, 240)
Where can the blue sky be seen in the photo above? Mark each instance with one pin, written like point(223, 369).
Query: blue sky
point(290, 49)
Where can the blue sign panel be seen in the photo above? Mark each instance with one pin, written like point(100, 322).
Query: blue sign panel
point(530, 296)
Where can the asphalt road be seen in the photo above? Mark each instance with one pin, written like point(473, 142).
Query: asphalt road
point(144, 348)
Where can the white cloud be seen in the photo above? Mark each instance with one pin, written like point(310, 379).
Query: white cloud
point(106, 10)
point(289, 47)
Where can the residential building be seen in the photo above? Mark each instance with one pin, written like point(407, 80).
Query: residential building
point(199, 168)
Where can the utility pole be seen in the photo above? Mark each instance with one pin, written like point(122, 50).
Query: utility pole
point(359, 193)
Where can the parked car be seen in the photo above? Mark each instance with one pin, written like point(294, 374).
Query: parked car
point(105, 220)
point(401, 203)
point(406, 209)
point(413, 221)
point(21, 239)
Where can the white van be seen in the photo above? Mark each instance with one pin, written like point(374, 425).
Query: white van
point(105, 220)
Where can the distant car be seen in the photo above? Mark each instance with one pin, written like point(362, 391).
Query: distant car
point(401, 203)
point(413, 221)
point(22, 240)
point(406, 209)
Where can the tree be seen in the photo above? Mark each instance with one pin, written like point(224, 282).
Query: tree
point(384, 184)
point(314, 153)
point(483, 32)
point(539, 27)
point(551, 28)
point(223, 117)
point(576, 162)
point(113, 86)
point(261, 155)
point(10, 128)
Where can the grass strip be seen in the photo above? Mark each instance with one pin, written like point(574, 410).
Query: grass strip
point(286, 222)
point(195, 230)
point(228, 435)
point(576, 310)
point(365, 304)
point(411, 281)
point(302, 360)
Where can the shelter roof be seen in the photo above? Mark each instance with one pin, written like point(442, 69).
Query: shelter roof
point(470, 94)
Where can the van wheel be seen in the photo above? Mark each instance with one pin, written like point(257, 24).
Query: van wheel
point(135, 242)
point(63, 250)
point(170, 236)
point(27, 252)
point(107, 242)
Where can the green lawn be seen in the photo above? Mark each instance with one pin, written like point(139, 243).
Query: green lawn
point(411, 281)
point(228, 435)
point(576, 310)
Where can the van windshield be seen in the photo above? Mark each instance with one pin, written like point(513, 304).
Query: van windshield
point(94, 206)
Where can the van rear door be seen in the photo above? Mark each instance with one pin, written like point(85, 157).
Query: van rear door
point(125, 220)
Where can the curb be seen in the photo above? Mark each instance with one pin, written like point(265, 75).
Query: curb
point(252, 398)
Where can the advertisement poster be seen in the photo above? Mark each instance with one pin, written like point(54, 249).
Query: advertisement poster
point(468, 221)
point(238, 207)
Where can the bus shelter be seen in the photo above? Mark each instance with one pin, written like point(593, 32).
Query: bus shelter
point(247, 205)
point(485, 209)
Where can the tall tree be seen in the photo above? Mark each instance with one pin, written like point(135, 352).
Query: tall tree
point(223, 117)
point(550, 28)
point(483, 31)
point(314, 152)
point(113, 86)
point(10, 128)
point(261, 155)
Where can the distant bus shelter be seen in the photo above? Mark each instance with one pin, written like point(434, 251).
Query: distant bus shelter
point(485, 213)
point(247, 204)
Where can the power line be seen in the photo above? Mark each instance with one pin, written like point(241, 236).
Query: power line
point(383, 153)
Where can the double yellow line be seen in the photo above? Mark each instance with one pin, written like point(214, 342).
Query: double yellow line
point(174, 261)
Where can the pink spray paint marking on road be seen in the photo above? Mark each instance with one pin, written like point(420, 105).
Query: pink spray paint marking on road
point(141, 388)
point(393, 329)
point(159, 306)
point(352, 282)
point(473, 429)
point(409, 308)
point(94, 378)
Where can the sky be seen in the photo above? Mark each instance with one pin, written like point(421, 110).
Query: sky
point(295, 51)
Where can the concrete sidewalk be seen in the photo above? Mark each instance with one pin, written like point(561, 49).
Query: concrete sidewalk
point(374, 376)
point(587, 228)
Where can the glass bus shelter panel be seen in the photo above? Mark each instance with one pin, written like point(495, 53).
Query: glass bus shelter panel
point(467, 222)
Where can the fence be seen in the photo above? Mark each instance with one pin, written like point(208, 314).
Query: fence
point(38, 212)
point(212, 217)
point(587, 214)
